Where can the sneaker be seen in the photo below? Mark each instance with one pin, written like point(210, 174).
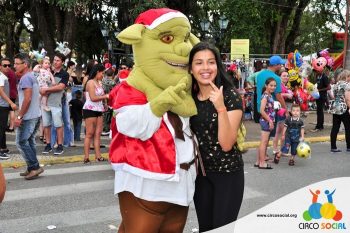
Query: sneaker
point(105, 133)
point(6, 151)
point(47, 149)
point(33, 174)
point(315, 130)
point(347, 149)
point(58, 150)
point(24, 173)
point(335, 150)
point(4, 156)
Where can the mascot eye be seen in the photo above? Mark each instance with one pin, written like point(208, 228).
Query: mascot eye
point(167, 39)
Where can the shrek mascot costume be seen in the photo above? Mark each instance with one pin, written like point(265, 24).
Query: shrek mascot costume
point(152, 151)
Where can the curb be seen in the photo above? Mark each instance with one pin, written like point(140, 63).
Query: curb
point(249, 145)
point(79, 158)
point(51, 161)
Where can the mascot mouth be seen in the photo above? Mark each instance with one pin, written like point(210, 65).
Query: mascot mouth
point(178, 65)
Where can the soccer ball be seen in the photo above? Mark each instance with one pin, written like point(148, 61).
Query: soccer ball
point(303, 150)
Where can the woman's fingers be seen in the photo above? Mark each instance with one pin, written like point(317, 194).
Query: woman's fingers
point(215, 88)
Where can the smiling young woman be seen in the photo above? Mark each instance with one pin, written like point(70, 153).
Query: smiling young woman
point(216, 126)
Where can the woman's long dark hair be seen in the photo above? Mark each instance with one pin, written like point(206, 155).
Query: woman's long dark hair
point(221, 79)
point(96, 68)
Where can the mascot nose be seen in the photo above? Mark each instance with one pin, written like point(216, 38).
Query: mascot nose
point(183, 49)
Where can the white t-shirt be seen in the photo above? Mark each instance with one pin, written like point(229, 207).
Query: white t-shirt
point(4, 83)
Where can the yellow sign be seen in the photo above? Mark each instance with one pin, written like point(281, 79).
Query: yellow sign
point(240, 49)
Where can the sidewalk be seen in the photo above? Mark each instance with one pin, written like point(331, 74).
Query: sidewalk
point(75, 154)
point(253, 130)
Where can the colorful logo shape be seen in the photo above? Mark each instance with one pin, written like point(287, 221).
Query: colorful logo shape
point(327, 210)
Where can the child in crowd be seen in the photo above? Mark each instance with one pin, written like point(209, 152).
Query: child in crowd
point(45, 78)
point(293, 133)
point(76, 110)
point(266, 121)
point(108, 83)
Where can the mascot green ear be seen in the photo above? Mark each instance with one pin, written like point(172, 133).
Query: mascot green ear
point(132, 34)
point(194, 40)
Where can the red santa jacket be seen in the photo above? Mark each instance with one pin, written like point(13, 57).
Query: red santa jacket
point(154, 158)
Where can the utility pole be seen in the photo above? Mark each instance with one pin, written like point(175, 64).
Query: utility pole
point(346, 63)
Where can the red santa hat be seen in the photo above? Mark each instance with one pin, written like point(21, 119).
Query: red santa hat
point(154, 17)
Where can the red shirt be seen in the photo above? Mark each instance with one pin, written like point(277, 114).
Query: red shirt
point(13, 84)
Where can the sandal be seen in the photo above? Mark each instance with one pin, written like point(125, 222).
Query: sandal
point(256, 165)
point(101, 159)
point(277, 157)
point(86, 161)
point(291, 162)
point(268, 166)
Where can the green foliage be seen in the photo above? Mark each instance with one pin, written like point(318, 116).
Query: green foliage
point(139, 6)
point(71, 4)
point(314, 33)
point(7, 18)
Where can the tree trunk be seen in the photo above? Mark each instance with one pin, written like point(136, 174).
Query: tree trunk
point(10, 44)
point(45, 28)
point(279, 27)
point(58, 22)
point(34, 35)
point(295, 30)
point(70, 22)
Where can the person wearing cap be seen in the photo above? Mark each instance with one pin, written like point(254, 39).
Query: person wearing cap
point(275, 64)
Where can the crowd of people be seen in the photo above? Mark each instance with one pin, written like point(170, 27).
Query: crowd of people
point(281, 99)
point(166, 121)
point(39, 98)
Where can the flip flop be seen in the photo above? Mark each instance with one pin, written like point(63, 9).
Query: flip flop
point(268, 166)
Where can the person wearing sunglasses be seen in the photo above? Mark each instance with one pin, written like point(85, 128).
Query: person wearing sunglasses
point(7, 69)
point(5, 103)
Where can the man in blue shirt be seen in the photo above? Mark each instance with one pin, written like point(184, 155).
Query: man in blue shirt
point(274, 67)
point(28, 118)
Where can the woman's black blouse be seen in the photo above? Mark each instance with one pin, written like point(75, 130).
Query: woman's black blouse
point(205, 127)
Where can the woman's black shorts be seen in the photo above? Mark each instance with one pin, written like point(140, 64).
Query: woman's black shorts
point(89, 113)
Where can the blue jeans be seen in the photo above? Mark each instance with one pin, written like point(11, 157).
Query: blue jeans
point(67, 130)
point(25, 142)
point(76, 88)
point(77, 129)
point(288, 143)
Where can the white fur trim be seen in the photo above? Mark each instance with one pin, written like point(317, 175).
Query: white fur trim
point(146, 174)
point(164, 18)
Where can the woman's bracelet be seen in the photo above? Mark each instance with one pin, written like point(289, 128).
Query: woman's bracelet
point(221, 109)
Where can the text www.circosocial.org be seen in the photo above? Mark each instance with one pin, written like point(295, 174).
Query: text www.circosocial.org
point(277, 215)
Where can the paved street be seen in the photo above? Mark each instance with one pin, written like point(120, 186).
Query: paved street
point(78, 198)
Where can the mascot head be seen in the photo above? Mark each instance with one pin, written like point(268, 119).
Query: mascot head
point(318, 64)
point(161, 40)
point(294, 79)
point(294, 60)
point(324, 53)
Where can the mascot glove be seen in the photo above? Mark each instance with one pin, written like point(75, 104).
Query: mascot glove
point(168, 98)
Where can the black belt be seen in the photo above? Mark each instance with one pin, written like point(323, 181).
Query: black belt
point(187, 166)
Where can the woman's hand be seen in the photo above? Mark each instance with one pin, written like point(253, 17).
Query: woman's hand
point(271, 125)
point(13, 106)
point(216, 96)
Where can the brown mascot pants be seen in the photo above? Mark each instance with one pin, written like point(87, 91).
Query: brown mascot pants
point(141, 216)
